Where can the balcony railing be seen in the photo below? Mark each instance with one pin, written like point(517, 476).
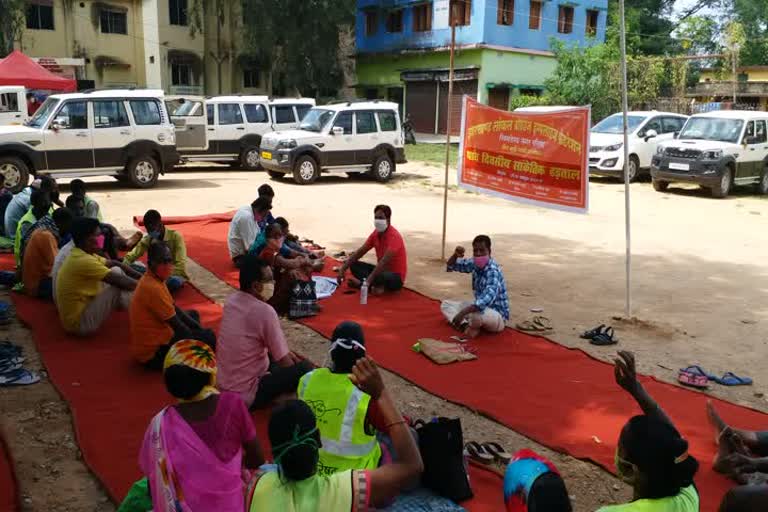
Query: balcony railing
point(759, 89)
point(186, 90)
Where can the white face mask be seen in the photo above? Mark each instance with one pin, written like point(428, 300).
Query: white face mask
point(381, 225)
point(267, 291)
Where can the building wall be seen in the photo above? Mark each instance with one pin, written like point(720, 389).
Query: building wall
point(753, 75)
point(384, 70)
point(513, 70)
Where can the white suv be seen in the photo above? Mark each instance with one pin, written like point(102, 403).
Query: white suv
point(122, 133)
point(13, 104)
point(349, 137)
point(646, 131)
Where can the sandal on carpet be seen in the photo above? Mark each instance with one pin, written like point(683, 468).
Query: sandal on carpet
point(588, 335)
point(542, 323)
point(526, 326)
point(694, 377)
point(20, 377)
point(499, 454)
point(731, 379)
point(604, 338)
point(478, 454)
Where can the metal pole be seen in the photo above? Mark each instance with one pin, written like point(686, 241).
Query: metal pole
point(734, 59)
point(219, 16)
point(627, 210)
point(448, 125)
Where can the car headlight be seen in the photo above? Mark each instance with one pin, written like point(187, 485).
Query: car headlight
point(287, 144)
point(660, 150)
point(615, 147)
point(713, 154)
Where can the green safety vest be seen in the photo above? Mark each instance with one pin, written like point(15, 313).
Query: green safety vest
point(29, 219)
point(340, 408)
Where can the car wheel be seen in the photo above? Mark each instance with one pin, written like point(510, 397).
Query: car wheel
point(305, 171)
point(15, 171)
point(633, 168)
point(722, 189)
point(762, 187)
point(143, 172)
point(250, 159)
point(383, 168)
point(276, 175)
point(660, 186)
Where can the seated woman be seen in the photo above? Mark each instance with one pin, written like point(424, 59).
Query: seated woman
point(297, 486)
point(652, 457)
point(194, 452)
point(327, 390)
point(533, 484)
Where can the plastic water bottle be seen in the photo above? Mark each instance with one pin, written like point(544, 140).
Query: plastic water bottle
point(364, 292)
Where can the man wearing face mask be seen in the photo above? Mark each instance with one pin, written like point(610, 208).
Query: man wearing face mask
point(156, 322)
point(156, 230)
point(388, 275)
point(244, 228)
point(490, 310)
point(252, 356)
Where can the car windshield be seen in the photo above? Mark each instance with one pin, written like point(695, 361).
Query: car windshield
point(615, 124)
point(712, 128)
point(43, 113)
point(316, 120)
point(182, 108)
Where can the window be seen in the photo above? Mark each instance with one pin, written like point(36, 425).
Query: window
point(565, 20)
point(461, 12)
point(344, 120)
point(422, 18)
point(283, 114)
point(40, 17)
point(365, 123)
point(181, 73)
point(229, 113)
point(592, 18)
point(534, 19)
point(395, 21)
point(760, 135)
point(72, 116)
point(178, 12)
point(9, 102)
point(256, 113)
point(209, 114)
point(114, 22)
point(371, 20)
point(251, 78)
point(302, 110)
point(146, 112)
point(506, 12)
point(654, 124)
point(673, 124)
point(109, 114)
point(387, 121)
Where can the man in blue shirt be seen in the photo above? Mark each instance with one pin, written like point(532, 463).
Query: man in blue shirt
point(490, 310)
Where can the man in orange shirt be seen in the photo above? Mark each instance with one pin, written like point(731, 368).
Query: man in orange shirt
point(156, 323)
point(41, 251)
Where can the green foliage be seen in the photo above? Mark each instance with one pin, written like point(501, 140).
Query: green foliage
point(698, 35)
point(11, 24)
point(521, 101)
point(753, 17)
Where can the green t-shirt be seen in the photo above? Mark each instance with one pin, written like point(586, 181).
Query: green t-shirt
point(686, 501)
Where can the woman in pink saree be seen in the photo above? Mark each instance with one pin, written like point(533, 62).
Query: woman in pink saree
point(194, 452)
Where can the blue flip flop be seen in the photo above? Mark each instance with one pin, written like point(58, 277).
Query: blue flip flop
point(731, 379)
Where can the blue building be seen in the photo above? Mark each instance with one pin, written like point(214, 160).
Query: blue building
point(503, 48)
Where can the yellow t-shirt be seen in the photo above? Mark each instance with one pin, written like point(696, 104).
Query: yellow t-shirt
point(78, 282)
point(687, 500)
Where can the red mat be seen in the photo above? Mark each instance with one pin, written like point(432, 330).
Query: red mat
point(9, 488)
point(559, 397)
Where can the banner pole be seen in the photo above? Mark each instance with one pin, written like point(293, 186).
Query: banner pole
point(448, 125)
point(627, 209)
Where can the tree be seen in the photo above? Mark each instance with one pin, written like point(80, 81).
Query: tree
point(11, 24)
point(753, 17)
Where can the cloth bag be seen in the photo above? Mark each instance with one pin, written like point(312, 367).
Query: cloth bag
point(303, 299)
point(444, 353)
point(441, 443)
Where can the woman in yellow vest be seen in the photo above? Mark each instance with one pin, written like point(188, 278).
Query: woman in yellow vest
point(298, 486)
point(346, 418)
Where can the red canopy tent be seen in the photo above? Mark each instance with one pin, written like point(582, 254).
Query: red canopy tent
point(18, 69)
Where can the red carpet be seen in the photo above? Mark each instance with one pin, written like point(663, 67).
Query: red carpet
point(559, 397)
point(9, 489)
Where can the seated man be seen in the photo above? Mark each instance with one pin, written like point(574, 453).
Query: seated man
point(252, 355)
point(268, 193)
point(22, 202)
point(490, 310)
point(6, 196)
point(156, 230)
point(92, 208)
point(89, 287)
point(244, 228)
point(156, 322)
point(40, 253)
point(111, 242)
point(41, 207)
point(388, 275)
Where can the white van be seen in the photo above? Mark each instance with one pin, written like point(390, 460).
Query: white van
point(13, 104)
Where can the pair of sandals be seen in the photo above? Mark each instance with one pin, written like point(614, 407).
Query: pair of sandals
point(601, 336)
point(487, 454)
point(695, 377)
point(12, 373)
point(538, 324)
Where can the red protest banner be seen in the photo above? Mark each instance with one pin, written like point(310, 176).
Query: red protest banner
point(531, 157)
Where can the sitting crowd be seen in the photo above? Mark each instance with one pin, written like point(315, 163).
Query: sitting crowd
point(338, 439)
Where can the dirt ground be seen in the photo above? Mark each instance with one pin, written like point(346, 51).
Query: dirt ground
point(698, 287)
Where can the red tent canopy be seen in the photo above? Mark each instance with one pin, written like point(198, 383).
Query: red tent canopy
point(18, 69)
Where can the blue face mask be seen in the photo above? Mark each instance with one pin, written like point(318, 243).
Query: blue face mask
point(155, 235)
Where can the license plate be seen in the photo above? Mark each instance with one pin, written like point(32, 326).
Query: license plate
point(266, 155)
point(679, 167)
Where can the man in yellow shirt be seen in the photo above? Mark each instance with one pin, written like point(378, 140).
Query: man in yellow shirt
point(89, 287)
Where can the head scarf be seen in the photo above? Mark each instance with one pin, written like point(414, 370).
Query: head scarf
point(346, 336)
point(198, 356)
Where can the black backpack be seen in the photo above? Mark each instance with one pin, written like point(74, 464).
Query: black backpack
point(441, 444)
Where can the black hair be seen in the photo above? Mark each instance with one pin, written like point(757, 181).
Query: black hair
point(63, 218)
point(482, 239)
point(152, 217)
point(386, 210)
point(291, 419)
point(82, 228)
point(40, 198)
point(72, 199)
point(251, 271)
point(184, 382)
point(266, 191)
point(156, 249)
point(48, 184)
point(549, 494)
point(660, 453)
point(345, 359)
point(262, 204)
point(77, 187)
point(2, 178)
point(283, 222)
point(270, 231)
